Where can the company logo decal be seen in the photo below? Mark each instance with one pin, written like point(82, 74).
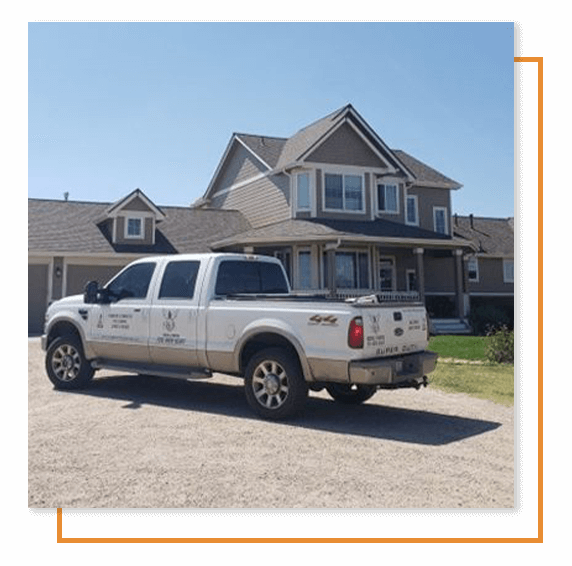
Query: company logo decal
point(169, 323)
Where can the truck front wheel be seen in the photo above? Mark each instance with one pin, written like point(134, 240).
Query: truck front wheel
point(274, 384)
point(66, 365)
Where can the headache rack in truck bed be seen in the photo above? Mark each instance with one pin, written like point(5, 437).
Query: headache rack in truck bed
point(394, 298)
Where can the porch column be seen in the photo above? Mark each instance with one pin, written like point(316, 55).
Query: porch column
point(420, 273)
point(331, 259)
point(458, 254)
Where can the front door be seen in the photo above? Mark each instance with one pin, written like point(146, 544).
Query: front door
point(119, 329)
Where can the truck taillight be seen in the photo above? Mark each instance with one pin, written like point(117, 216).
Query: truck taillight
point(355, 333)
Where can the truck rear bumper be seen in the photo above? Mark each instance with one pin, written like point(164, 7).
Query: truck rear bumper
point(393, 371)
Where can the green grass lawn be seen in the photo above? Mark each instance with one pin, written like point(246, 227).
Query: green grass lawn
point(459, 347)
point(484, 380)
point(494, 382)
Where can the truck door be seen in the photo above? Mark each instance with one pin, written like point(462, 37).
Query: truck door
point(173, 329)
point(119, 328)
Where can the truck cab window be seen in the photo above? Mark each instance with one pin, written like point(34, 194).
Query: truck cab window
point(179, 280)
point(133, 283)
point(251, 277)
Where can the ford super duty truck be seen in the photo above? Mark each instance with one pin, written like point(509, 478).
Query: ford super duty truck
point(188, 316)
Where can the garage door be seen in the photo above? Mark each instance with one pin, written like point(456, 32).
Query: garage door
point(79, 275)
point(37, 297)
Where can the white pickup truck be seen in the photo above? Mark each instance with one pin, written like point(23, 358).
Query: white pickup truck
point(188, 316)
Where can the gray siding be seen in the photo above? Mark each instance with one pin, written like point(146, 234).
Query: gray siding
point(264, 201)
point(136, 204)
point(240, 166)
point(346, 147)
point(427, 199)
point(490, 277)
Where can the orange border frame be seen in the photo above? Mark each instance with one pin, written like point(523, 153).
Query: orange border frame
point(539, 539)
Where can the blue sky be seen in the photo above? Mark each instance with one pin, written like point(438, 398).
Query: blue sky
point(116, 106)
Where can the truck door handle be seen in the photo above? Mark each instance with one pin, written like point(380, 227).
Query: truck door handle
point(136, 310)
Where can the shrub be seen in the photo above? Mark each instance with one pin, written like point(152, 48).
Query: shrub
point(485, 319)
point(500, 346)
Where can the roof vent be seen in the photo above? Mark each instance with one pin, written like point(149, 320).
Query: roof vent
point(471, 220)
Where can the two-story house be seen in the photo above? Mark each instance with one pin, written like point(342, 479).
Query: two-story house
point(345, 213)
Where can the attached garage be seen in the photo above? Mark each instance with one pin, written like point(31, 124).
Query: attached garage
point(37, 296)
point(79, 275)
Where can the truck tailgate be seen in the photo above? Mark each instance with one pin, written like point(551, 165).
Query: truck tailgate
point(393, 330)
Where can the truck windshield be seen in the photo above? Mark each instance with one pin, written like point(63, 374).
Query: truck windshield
point(251, 277)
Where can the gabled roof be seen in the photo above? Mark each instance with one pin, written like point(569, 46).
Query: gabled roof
point(134, 195)
point(71, 227)
point(279, 154)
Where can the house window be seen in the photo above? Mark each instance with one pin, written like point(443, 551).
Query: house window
point(440, 220)
point(352, 270)
point(304, 269)
point(343, 192)
point(134, 228)
point(387, 200)
point(473, 269)
point(411, 280)
point(411, 216)
point(303, 191)
point(386, 274)
point(508, 270)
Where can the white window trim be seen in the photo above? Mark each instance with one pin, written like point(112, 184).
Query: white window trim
point(297, 275)
point(139, 215)
point(416, 201)
point(504, 274)
point(446, 216)
point(476, 259)
point(343, 172)
point(394, 270)
point(297, 207)
point(386, 181)
point(139, 236)
point(354, 250)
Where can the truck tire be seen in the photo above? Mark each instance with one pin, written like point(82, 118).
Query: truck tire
point(350, 394)
point(274, 384)
point(66, 365)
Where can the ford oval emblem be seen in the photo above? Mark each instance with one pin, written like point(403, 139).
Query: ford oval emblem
point(398, 331)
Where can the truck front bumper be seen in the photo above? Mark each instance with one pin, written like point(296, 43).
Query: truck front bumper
point(398, 371)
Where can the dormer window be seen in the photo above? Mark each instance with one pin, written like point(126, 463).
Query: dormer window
point(134, 227)
point(343, 192)
point(133, 220)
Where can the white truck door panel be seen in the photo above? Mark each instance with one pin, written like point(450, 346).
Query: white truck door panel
point(120, 328)
point(173, 315)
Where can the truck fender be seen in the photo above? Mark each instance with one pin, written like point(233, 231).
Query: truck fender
point(270, 326)
point(72, 320)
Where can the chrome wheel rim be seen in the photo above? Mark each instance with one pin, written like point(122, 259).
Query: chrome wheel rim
point(66, 362)
point(270, 384)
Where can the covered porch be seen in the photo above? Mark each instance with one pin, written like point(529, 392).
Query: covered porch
point(322, 260)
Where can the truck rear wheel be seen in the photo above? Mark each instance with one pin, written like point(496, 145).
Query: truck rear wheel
point(66, 365)
point(274, 384)
point(350, 394)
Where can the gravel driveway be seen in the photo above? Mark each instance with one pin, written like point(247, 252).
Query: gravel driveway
point(130, 441)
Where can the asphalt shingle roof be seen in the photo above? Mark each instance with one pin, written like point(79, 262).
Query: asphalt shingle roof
point(280, 152)
point(493, 236)
point(79, 227)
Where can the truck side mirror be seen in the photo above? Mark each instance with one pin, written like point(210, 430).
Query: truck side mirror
point(90, 292)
